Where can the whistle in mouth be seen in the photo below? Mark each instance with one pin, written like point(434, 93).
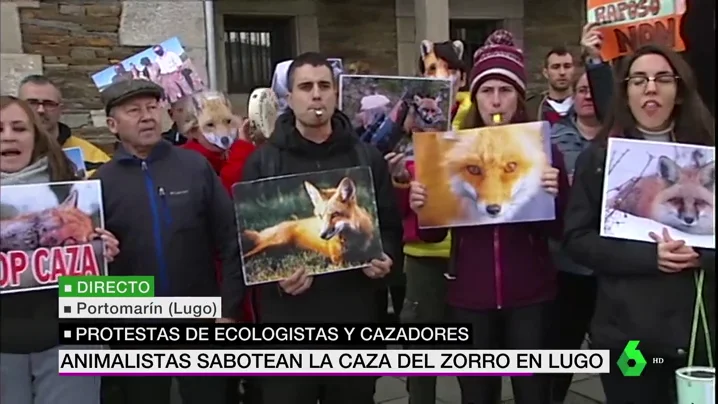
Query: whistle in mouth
point(496, 118)
point(318, 112)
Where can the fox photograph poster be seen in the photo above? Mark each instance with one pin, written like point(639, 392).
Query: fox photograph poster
point(650, 186)
point(386, 110)
point(323, 222)
point(483, 176)
point(47, 231)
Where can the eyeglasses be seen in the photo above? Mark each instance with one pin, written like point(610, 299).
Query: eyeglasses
point(46, 104)
point(641, 81)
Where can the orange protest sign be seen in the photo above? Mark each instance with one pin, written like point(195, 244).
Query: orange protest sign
point(629, 24)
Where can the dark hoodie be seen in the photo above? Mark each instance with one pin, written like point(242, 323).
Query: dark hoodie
point(341, 297)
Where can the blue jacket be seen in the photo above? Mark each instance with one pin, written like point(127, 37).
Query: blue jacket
point(171, 216)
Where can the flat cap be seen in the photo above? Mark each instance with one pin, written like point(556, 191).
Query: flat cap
point(118, 93)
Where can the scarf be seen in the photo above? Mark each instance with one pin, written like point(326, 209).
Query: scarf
point(37, 172)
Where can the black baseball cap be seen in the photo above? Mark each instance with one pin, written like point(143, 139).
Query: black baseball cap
point(118, 93)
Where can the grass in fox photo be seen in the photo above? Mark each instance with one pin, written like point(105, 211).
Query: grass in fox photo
point(324, 222)
point(47, 231)
point(379, 105)
point(483, 176)
point(650, 186)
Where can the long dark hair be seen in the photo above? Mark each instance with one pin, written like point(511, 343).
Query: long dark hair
point(61, 168)
point(693, 122)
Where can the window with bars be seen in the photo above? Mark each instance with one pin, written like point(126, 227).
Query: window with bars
point(253, 46)
point(472, 33)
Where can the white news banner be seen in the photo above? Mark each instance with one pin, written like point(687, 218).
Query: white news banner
point(140, 307)
point(330, 362)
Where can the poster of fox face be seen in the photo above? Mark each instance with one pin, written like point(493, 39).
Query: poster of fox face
point(47, 231)
point(650, 186)
point(484, 176)
point(324, 222)
point(386, 110)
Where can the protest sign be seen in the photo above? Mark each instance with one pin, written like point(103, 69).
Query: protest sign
point(484, 176)
point(656, 186)
point(48, 230)
point(627, 25)
point(166, 64)
point(323, 222)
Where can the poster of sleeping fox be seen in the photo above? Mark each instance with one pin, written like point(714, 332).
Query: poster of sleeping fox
point(651, 186)
point(49, 230)
point(323, 221)
point(484, 176)
point(386, 110)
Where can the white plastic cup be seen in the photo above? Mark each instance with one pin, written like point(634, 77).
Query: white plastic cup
point(696, 385)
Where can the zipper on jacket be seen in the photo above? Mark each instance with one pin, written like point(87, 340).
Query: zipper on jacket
point(165, 207)
point(497, 268)
point(156, 229)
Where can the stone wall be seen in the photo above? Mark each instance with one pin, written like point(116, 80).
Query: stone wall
point(70, 40)
point(363, 31)
point(75, 41)
point(79, 38)
point(14, 62)
point(549, 23)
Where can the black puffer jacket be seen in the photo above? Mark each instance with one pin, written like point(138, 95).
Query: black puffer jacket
point(636, 301)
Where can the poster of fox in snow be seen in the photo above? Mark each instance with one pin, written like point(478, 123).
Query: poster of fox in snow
point(47, 231)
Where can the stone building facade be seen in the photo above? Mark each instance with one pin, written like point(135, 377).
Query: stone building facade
point(70, 40)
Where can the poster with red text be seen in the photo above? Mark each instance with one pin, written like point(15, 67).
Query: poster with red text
point(48, 230)
point(627, 25)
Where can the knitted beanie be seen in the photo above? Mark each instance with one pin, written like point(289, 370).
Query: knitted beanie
point(499, 59)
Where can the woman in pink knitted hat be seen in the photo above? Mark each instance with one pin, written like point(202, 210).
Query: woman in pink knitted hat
point(503, 282)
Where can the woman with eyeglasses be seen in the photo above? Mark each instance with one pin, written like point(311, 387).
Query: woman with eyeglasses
point(646, 291)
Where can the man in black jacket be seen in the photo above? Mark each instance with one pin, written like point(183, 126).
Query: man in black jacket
point(169, 210)
point(314, 136)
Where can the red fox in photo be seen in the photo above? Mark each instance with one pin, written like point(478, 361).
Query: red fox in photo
point(339, 228)
point(488, 177)
point(679, 197)
point(62, 225)
point(424, 115)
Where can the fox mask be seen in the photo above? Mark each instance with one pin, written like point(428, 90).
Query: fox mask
point(212, 115)
point(435, 66)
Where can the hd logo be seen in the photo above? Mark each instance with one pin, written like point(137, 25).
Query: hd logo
point(631, 363)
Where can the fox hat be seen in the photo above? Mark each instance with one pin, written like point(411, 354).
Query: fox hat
point(499, 59)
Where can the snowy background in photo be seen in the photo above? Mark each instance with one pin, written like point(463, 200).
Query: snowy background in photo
point(628, 159)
